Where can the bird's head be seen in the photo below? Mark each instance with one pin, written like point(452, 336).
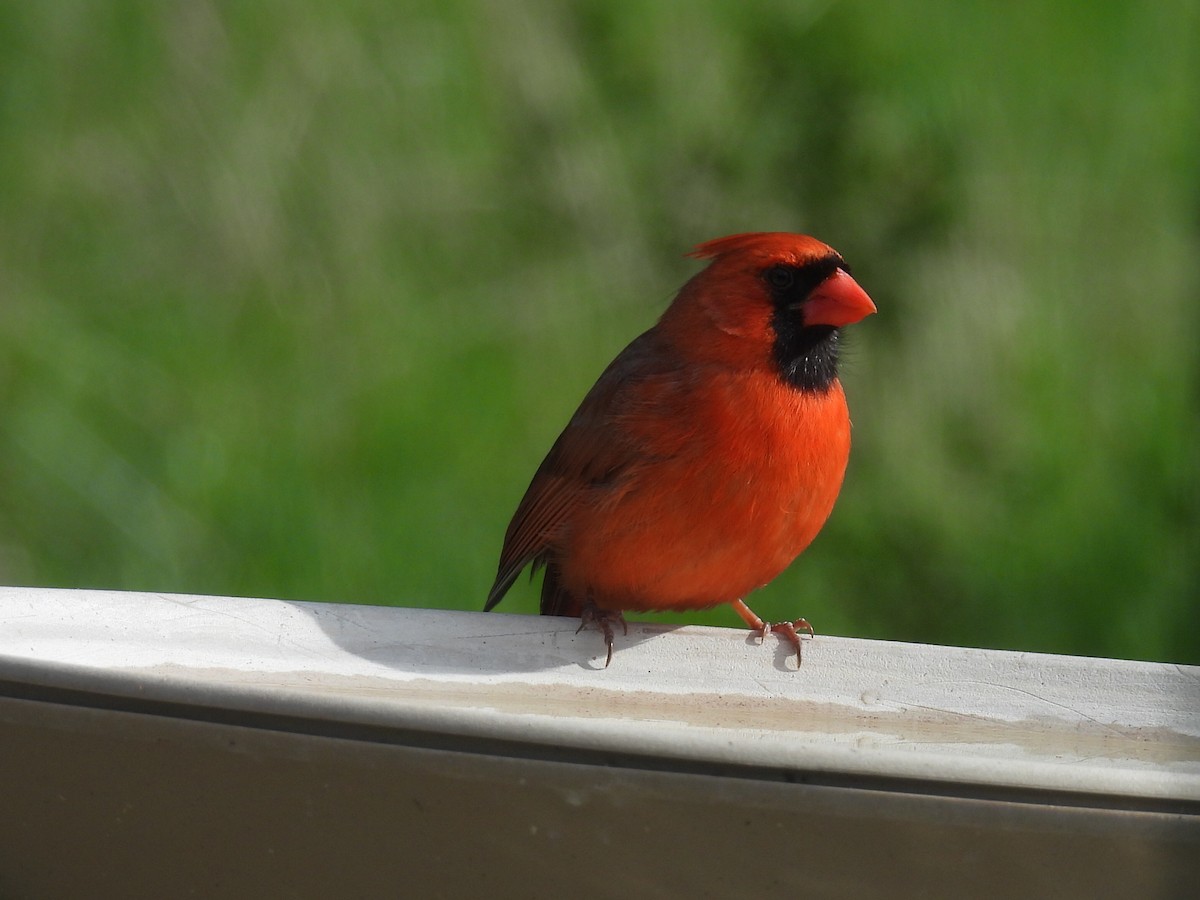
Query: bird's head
point(769, 299)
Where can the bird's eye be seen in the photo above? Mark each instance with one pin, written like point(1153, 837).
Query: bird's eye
point(780, 277)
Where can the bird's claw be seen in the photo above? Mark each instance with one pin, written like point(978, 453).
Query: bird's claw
point(790, 631)
point(602, 619)
point(787, 629)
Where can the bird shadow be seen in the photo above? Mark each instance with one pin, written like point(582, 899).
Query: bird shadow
point(443, 642)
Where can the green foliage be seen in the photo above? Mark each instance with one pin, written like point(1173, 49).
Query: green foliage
point(294, 297)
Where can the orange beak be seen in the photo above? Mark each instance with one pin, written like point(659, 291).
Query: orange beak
point(836, 301)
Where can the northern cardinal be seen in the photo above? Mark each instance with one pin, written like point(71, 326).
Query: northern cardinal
point(710, 452)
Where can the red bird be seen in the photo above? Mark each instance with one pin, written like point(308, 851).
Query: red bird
point(710, 452)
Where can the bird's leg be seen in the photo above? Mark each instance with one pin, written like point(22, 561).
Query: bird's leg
point(602, 619)
point(788, 629)
point(751, 619)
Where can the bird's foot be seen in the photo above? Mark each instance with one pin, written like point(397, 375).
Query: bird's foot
point(602, 619)
point(789, 630)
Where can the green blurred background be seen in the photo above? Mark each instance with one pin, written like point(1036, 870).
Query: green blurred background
point(294, 296)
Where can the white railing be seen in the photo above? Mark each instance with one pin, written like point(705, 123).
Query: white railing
point(692, 736)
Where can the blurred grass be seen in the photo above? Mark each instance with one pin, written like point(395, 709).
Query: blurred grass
point(293, 298)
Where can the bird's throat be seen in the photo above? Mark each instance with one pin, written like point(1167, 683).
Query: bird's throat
point(806, 357)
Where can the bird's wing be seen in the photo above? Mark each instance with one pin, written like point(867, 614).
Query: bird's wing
point(591, 453)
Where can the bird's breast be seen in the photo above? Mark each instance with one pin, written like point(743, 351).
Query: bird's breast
point(732, 480)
